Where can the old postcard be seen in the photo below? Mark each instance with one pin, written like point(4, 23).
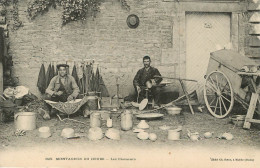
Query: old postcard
point(130, 83)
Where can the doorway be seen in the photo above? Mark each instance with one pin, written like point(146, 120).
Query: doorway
point(205, 31)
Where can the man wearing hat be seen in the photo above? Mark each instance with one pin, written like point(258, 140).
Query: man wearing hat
point(145, 77)
point(62, 87)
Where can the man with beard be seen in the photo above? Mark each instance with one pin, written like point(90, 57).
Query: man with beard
point(145, 77)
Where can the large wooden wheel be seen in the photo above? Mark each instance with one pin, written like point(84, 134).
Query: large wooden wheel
point(218, 94)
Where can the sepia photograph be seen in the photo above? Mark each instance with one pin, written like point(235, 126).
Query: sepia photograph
point(130, 83)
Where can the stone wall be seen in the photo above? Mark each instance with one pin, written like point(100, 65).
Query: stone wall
point(107, 39)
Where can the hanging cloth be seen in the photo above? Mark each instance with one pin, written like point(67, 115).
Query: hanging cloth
point(52, 73)
point(80, 86)
point(48, 75)
point(75, 75)
point(56, 71)
point(88, 72)
point(83, 78)
point(92, 82)
point(41, 83)
point(97, 77)
point(103, 88)
point(79, 69)
point(84, 83)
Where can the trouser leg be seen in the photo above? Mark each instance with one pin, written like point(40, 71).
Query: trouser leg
point(45, 111)
point(141, 94)
point(51, 111)
point(156, 91)
point(47, 106)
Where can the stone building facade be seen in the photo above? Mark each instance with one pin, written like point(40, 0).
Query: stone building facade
point(118, 49)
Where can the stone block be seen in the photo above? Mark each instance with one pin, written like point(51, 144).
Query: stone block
point(254, 41)
point(255, 18)
point(254, 29)
point(253, 52)
point(253, 7)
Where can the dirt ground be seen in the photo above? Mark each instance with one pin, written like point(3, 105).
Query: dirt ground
point(200, 122)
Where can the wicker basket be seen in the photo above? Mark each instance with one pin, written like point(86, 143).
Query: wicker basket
point(67, 107)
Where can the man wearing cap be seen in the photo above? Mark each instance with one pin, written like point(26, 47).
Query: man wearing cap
point(62, 87)
point(145, 77)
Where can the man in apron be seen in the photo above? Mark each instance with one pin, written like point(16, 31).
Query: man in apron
point(62, 88)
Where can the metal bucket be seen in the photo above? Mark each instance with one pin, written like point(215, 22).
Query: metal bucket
point(25, 120)
point(95, 119)
point(173, 135)
point(126, 120)
point(92, 102)
point(238, 120)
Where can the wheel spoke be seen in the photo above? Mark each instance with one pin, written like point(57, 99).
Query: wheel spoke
point(225, 98)
point(223, 103)
point(212, 101)
point(210, 91)
point(213, 83)
point(222, 80)
point(224, 87)
point(220, 106)
point(211, 86)
point(217, 81)
point(213, 94)
point(227, 93)
point(216, 106)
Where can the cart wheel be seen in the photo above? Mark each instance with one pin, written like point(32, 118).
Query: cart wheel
point(218, 94)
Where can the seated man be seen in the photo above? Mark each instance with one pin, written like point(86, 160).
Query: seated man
point(62, 87)
point(146, 76)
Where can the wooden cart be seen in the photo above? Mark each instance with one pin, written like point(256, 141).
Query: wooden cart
point(223, 82)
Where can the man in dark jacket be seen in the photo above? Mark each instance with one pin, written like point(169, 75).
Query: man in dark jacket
point(144, 77)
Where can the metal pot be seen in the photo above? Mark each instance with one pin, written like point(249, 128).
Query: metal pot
point(173, 110)
point(149, 84)
point(238, 120)
point(95, 120)
point(92, 102)
point(174, 135)
point(8, 110)
point(126, 120)
point(25, 120)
